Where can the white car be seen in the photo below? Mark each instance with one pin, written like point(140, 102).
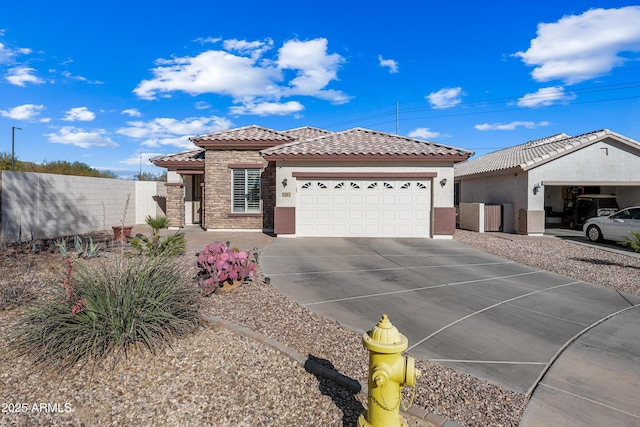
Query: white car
point(616, 227)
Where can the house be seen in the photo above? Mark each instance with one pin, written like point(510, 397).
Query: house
point(312, 182)
point(538, 181)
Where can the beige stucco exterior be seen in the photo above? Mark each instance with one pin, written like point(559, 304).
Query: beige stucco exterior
point(609, 164)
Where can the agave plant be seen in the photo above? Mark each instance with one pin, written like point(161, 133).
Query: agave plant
point(220, 264)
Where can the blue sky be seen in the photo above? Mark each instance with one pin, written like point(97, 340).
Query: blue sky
point(112, 84)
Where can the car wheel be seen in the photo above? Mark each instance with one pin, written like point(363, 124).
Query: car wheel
point(594, 234)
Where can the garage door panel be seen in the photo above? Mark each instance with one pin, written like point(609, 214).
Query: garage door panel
point(323, 214)
point(355, 215)
point(339, 199)
point(339, 214)
point(372, 200)
point(322, 199)
point(384, 208)
point(389, 199)
point(422, 215)
point(405, 215)
point(372, 215)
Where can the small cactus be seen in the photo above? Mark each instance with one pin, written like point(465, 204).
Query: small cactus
point(220, 263)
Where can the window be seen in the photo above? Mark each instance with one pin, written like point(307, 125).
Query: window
point(245, 191)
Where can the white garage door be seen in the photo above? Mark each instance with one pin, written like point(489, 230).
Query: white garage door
point(363, 208)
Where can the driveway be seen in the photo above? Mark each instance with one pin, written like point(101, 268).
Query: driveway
point(490, 317)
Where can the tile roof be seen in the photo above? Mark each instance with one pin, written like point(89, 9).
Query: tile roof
point(360, 141)
point(534, 153)
point(247, 133)
point(194, 157)
point(306, 132)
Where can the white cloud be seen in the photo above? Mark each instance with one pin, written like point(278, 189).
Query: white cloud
point(424, 133)
point(247, 76)
point(7, 54)
point(316, 69)
point(143, 157)
point(79, 114)
point(169, 131)
point(211, 71)
point(268, 108)
point(545, 97)
point(582, 47)
point(389, 63)
point(68, 75)
point(132, 112)
point(19, 76)
point(201, 105)
point(445, 98)
point(70, 135)
point(203, 40)
point(255, 49)
point(511, 126)
point(22, 112)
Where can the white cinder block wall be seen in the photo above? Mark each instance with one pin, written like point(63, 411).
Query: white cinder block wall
point(47, 206)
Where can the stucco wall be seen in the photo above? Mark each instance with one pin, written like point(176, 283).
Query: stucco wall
point(605, 161)
point(47, 206)
point(509, 187)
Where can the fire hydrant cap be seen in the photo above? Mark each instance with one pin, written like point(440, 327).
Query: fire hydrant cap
point(385, 338)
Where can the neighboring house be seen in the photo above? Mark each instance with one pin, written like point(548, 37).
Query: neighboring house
point(538, 181)
point(311, 182)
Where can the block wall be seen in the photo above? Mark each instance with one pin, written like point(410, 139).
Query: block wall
point(48, 206)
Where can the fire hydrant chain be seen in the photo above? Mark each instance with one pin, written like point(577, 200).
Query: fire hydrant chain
point(384, 405)
point(389, 373)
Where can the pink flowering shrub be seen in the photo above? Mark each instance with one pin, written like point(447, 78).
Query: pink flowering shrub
point(220, 263)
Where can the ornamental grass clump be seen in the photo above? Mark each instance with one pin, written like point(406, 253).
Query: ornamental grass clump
point(220, 264)
point(109, 309)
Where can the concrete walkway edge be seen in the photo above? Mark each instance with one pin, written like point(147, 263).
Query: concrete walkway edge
point(432, 419)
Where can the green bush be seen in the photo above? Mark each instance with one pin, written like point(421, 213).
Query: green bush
point(633, 242)
point(109, 309)
point(174, 244)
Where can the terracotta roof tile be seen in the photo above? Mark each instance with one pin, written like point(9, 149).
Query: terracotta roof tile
point(533, 153)
point(191, 156)
point(306, 132)
point(360, 141)
point(247, 133)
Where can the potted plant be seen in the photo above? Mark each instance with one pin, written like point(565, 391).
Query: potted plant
point(223, 268)
point(121, 232)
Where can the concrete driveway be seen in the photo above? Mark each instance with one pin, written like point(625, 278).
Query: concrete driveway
point(487, 316)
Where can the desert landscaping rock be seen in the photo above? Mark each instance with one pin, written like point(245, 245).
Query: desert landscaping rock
point(219, 378)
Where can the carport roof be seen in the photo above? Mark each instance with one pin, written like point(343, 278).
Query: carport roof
point(365, 144)
point(534, 153)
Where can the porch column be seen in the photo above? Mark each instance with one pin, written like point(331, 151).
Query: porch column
point(175, 204)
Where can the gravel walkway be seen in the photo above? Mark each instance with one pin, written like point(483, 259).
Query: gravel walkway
point(217, 378)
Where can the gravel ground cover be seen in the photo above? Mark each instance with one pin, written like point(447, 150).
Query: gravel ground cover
point(215, 377)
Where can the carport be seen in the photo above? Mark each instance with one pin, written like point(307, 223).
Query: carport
point(540, 179)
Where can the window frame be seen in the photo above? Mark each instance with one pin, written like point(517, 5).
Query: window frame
point(251, 182)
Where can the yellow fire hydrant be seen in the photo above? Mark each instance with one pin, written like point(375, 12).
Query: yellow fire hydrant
point(389, 372)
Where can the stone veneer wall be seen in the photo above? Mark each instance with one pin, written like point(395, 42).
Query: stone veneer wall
point(175, 204)
point(217, 195)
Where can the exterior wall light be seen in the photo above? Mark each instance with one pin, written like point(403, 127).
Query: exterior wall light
point(537, 188)
point(284, 182)
point(443, 182)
